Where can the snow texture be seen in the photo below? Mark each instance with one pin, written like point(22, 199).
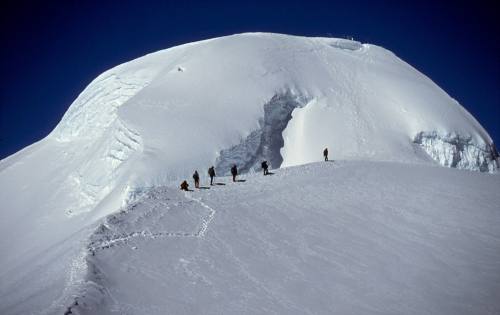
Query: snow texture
point(238, 99)
point(324, 238)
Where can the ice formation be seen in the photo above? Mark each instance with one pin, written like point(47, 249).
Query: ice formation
point(454, 150)
point(266, 142)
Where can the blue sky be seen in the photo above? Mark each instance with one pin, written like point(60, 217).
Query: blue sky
point(50, 51)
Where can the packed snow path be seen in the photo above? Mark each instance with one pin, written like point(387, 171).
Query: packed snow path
point(346, 238)
point(155, 217)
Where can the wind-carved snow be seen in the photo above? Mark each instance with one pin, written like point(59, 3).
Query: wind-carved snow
point(104, 141)
point(96, 108)
point(94, 179)
point(346, 44)
point(266, 142)
point(458, 151)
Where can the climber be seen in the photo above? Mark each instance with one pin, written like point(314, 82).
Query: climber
point(184, 186)
point(265, 167)
point(325, 154)
point(495, 156)
point(211, 173)
point(234, 172)
point(494, 152)
point(196, 178)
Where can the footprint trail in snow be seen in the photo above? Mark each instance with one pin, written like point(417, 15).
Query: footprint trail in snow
point(155, 216)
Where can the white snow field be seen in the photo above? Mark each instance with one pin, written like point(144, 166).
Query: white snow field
point(240, 99)
point(324, 238)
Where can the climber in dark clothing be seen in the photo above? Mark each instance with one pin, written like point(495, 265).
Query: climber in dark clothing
point(211, 173)
point(265, 167)
point(184, 186)
point(494, 152)
point(196, 178)
point(234, 172)
point(495, 155)
point(325, 154)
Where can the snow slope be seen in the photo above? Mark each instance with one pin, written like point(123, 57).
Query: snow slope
point(324, 238)
point(235, 99)
point(238, 99)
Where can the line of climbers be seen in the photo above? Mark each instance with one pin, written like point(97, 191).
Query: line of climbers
point(234, 173)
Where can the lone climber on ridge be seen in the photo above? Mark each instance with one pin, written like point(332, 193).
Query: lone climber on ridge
point(265, 167)
point(234, 172)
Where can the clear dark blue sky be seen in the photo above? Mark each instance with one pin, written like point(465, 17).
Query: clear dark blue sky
point(50, 51)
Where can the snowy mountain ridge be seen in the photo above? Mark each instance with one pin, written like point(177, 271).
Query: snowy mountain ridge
point(237, 99)
point(243, 98)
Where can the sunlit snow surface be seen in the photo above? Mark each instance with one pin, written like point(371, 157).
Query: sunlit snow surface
point(161, 116)
point(327, 238)
point(236, 99)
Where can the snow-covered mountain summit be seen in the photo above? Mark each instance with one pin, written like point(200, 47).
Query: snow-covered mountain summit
point(231, 98)
point(236, 99)
point(243, 98)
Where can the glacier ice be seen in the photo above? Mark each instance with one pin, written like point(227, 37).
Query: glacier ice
point(266, 142)
point(459, 151)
